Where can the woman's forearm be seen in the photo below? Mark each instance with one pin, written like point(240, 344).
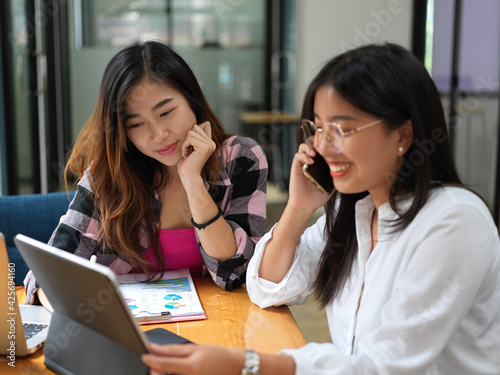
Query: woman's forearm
point(276, 364)
point(211, 359)
point(217, 239)
point(280, 249)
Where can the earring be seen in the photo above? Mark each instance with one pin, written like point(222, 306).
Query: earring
point(400, 149)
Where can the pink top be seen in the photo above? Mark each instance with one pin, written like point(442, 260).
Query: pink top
point(180, 250)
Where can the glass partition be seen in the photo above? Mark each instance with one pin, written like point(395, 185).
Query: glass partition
point(475, 119)
point(223, 42)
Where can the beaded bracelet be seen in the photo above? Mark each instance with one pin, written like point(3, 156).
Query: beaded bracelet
point(204, 225)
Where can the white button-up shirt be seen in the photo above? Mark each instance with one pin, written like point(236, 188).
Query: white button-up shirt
point(429, 296)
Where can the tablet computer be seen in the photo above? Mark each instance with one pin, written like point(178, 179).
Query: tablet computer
point(91, 321)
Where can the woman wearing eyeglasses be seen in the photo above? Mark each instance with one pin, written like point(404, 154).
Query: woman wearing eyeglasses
point(405, 260)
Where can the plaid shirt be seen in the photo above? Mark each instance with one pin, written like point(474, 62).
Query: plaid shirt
point(240, 193)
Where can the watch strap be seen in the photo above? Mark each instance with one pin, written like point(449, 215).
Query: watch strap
point(252, 363)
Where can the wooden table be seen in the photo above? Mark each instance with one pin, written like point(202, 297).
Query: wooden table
point(233, 321)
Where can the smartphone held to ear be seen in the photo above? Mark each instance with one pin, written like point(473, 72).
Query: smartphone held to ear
point(319, 171)
point(319, 174)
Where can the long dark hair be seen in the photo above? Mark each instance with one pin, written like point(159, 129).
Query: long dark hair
point(122, 178)
point(388, 82)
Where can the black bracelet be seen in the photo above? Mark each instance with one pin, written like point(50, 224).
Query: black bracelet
point(204, 225)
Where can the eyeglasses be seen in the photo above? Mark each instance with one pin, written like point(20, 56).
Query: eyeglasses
point(331, 132)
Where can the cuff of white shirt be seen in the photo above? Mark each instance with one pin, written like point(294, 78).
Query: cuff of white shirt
point(319, 359)
point(263, 292)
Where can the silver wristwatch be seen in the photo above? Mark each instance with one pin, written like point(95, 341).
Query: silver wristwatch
point(252, 363)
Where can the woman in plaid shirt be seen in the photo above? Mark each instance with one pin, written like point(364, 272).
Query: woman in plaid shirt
point(161, 185)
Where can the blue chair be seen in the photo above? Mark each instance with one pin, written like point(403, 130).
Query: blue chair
point(34, 215)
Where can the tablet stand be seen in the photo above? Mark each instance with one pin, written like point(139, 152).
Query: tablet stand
point(73, 348)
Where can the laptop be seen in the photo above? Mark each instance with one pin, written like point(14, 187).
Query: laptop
point(92, 330)
point(27, 325)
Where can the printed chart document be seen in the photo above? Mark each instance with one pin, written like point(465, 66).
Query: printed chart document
point(171, 299)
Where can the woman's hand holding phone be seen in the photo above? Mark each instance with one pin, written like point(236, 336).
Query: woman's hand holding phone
point(302, 192)
point(319, 174)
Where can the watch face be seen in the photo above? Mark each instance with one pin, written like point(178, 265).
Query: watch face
point(252, 363)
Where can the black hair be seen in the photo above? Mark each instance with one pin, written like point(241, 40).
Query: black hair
point(123, 179)
point(159, 63)
point(388, 82)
